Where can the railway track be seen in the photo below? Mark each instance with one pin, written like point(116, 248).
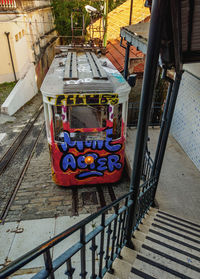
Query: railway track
point(4, 161)
point(27, 190)
point(24, 144)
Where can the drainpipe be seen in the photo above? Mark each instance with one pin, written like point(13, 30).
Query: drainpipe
point(7, 35)
point(153, 49)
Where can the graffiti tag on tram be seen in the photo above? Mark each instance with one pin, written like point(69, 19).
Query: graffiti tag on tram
point(84, 99)
point(109, 162)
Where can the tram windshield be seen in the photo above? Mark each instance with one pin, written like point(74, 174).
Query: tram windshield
point(86, 117)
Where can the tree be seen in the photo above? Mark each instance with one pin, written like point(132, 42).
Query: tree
point(62, 10)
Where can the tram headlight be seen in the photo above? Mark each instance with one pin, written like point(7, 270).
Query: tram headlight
point(89, 160)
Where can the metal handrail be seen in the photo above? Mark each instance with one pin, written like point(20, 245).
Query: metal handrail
point(52, 266)
point(133, 112)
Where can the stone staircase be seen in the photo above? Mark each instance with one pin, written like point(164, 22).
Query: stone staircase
point(165, 247)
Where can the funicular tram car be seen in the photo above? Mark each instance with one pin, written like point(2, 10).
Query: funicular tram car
point(85, 103)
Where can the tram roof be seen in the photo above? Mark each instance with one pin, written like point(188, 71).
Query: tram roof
point(82, 72)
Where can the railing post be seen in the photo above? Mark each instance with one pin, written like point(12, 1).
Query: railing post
point(154, 40)
point(48, 264)
point(93, 248)
point(101, 252)
point(70, 270)
point(83, 261)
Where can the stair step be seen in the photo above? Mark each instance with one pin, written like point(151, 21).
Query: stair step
point(140, 235)
point(143, 228)
point(176, 234)
point(179, 219)
point(137, 244)
point(170, 261)
point(177, 228)
point(157, 270)
point(138, 274)
point(110, 276)
point(172, 251)
point(173, 242)
point(175, 221)
point(121, 269)
point(128, 255)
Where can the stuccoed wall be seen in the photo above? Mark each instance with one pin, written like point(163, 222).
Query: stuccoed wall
point(186, 121)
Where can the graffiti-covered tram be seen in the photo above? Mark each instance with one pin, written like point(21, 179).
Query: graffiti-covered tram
point(85, 103)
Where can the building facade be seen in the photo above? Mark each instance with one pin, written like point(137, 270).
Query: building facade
point(27, 36)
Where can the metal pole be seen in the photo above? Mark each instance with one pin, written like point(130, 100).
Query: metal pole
point(128, 46)
point(7, 35)
point(131, 11)
point(154, 40)
point(169, 117)
point(164, 119)
point(126, 60)
point(105, 22)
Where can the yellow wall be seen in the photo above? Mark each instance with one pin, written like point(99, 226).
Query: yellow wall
point(25, 31)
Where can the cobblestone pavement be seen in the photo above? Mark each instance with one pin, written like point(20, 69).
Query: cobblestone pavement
point(39, 197)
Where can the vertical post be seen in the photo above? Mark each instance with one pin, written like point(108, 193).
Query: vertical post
point(105, 22)
point(131, 12)
point(154, 40)
point(164, 119)
point(126, 61)
point(83, 259)
point(169, 117)
point(11, 58)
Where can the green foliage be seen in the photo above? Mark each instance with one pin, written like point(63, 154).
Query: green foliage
point(5, 89)
point(62, 10)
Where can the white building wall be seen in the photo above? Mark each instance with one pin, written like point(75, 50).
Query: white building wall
point(186, 121)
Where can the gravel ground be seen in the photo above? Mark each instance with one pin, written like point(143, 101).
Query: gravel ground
point(11, 126)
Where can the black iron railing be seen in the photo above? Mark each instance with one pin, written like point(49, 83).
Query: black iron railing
point(145, 199)
point(101, 245)
point(133, 113)
point(147, 166)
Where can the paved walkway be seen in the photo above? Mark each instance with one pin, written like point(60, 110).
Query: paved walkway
point(178, 190)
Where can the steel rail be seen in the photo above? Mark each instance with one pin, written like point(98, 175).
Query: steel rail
point(16, 188)
point(4, 161)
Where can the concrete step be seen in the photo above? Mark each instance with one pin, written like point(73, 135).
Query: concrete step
point(110, 276)
point(153, 269)
point(166, 247)
point(128, 255)
point(185, 224)
point(176, 228)
point(170, 262)
point(171, 233)
point(172, 251)
point(138, 274)
point(174, 241)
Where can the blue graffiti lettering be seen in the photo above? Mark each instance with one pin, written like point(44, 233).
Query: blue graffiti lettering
point(101, 164)
point(68, 161)
point(95, 144)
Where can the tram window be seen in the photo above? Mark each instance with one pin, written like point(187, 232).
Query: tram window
point(58, 123)
point(117, 121)
point(88, 116)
